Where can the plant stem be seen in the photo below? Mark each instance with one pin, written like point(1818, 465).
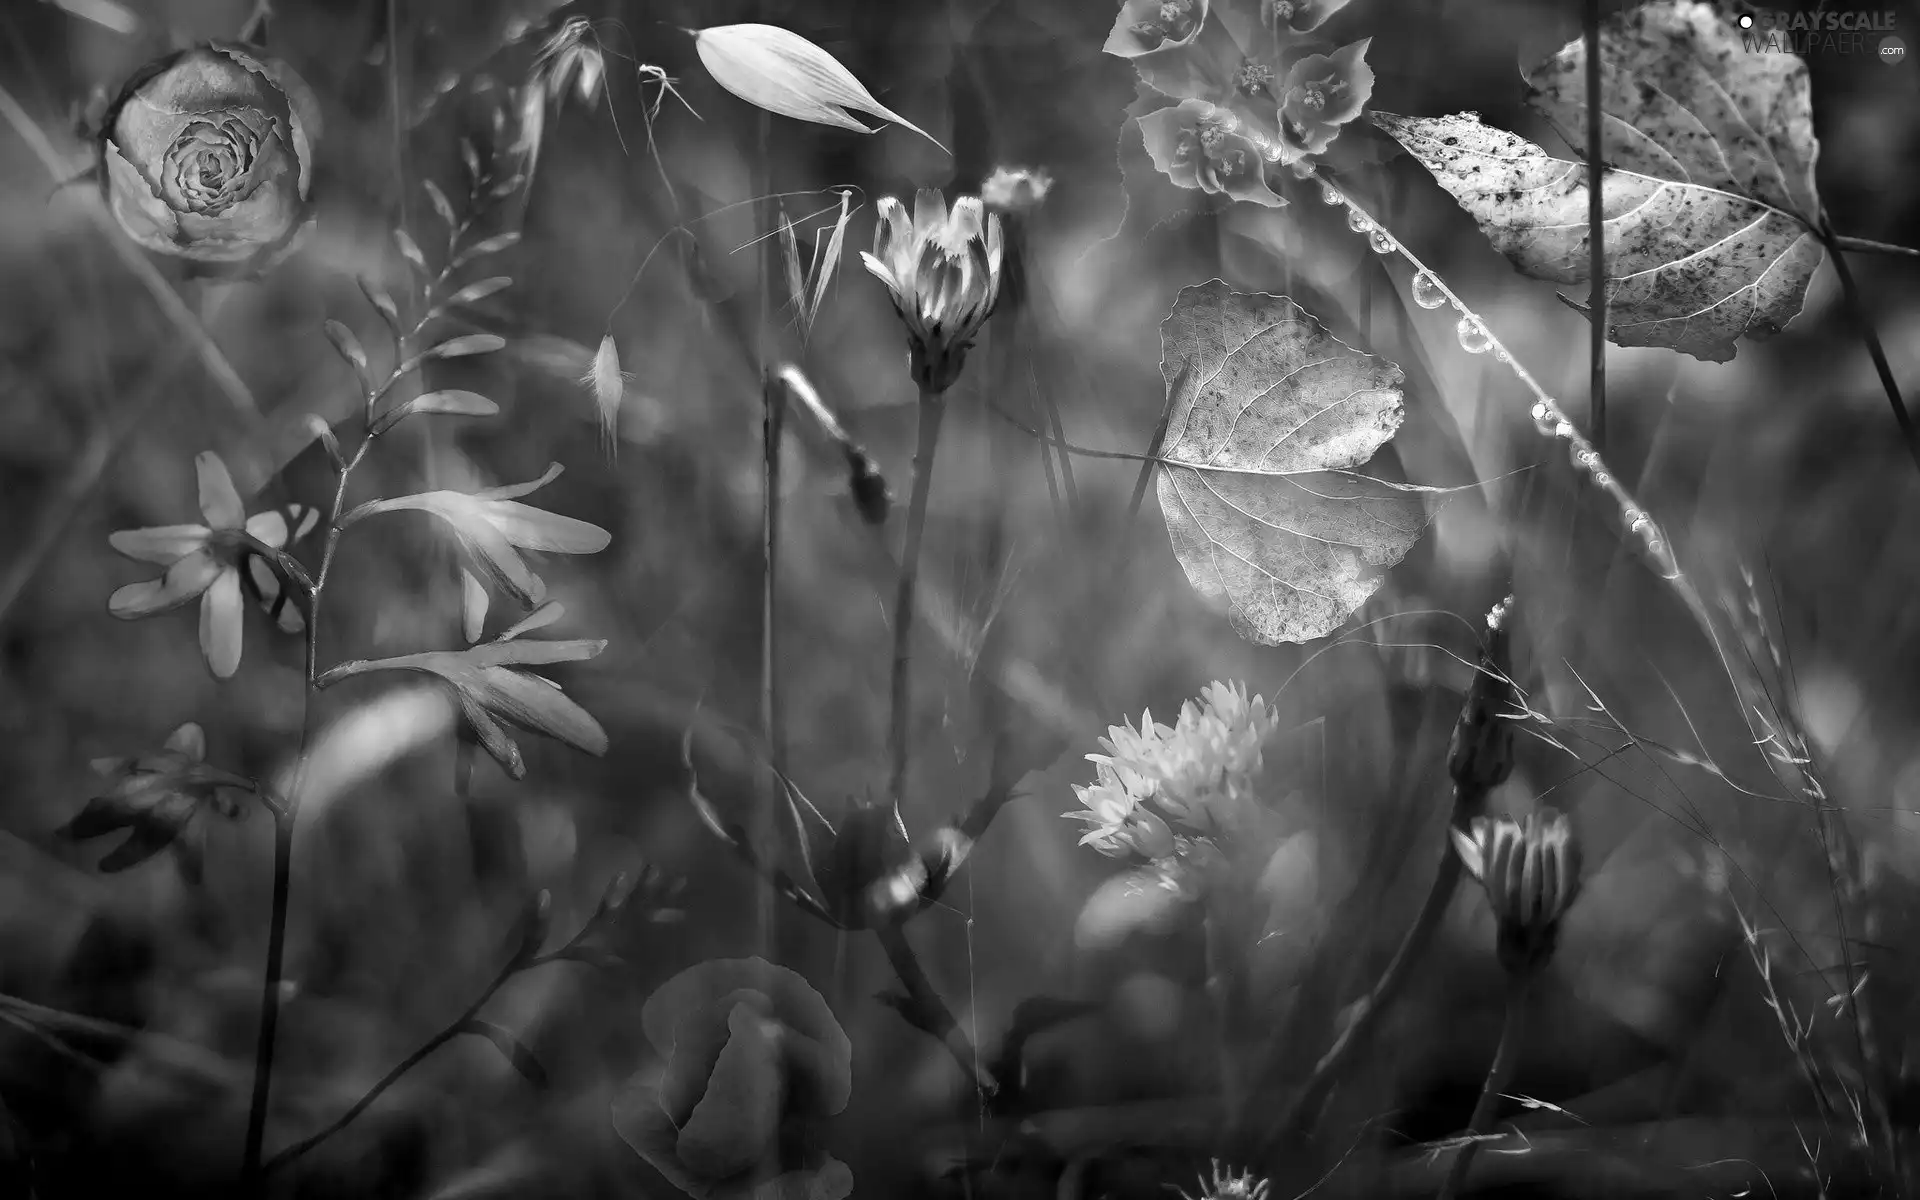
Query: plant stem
point(1596, 241)
point(1505, 1057)
point(283, 847)
point(930, 1012)
point(1869, 246)
point(772, 425)
point(1908, 433)
point(406, 1064)
point(932, 408)
point(1413, 946)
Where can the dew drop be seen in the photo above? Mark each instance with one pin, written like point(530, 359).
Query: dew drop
point(1637, 522)
point(1585, 459)
point(1563, 430)
point(1544, 420)
point(1500, 354)
point(1302, 168)
point(1381, 241)
point(1473, 338)
point(1357, 221)
point(1330, 194)
point(1602, 479)
point(1426, 291)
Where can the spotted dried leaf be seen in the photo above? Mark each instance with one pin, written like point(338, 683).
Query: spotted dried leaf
point(1709, 199)
point(1269, 417)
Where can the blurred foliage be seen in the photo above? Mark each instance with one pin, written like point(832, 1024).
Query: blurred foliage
point(128, 1066)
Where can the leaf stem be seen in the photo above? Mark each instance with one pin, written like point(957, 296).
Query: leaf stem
point(1505, 1057)
point(772, 425)
point(932, 408)
point(1596, 241)
point(1858, 311)
point(1869, 246)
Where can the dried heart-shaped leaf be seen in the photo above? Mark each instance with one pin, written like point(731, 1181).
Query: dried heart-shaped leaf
point(1709, 196)
point(1270, 414)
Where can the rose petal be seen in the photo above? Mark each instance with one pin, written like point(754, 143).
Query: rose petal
point(221, 623)
point(698, 1038)
point(185, 580)
point(137, 207)
point(219, 502)
point(796, 1004)
point(734, 1126)
point(302, 107)
point(162, 544)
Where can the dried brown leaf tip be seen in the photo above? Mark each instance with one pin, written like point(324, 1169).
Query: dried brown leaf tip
point(1481, 755)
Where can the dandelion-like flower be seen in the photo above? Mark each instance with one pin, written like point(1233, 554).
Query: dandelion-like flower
point(1226, 1185)
point(942, 271)
point(1531, 872)
point(203, 562)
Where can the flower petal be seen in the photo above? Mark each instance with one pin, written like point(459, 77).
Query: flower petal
point(221, 622)
point(537, 704)
point(533, 528)
point(219, 502)
point(879, 270)
point(162, 544)
point(929, 217)
point(270, 527)
point(473, 605)
point(513, 491)
point(733, 1127)
point(185, 580)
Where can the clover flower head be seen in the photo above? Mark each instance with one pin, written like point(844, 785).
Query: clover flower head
point(1198, 772)
point(203, 562)
point(1531, 872)
point(942, 271)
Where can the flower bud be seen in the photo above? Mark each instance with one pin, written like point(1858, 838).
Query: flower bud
point(942, 272)
point(1531, 872)
point(1480, 757)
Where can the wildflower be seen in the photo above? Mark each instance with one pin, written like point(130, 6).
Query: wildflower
point(942, 271)
point(1531, 872)
point(571, 59)
point(1321, 93)
point(491, 525)
point(492, 685)
point(1197, 773)
point(1226, 1186)
point(203, 562)
point(157, 797)
point(1120, 826)
point(1200, 145)
point(1146, 26)
point(1300, 16)
point(1015, 189)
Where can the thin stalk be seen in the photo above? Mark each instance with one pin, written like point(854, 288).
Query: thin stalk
point(1858, 310)
point(772, 426)
point(932, 409)
point(283, 847)
point(930, 1011)
point(1596, 241)
point(1413, 946)
point(1499, 1075)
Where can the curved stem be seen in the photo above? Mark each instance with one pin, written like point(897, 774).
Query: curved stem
point(1499, 1075)
point(932, 408)
point(1413, 946)
point(1858, 311)
point(270, 990)
point(925, 1008)
point(392, 1077)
